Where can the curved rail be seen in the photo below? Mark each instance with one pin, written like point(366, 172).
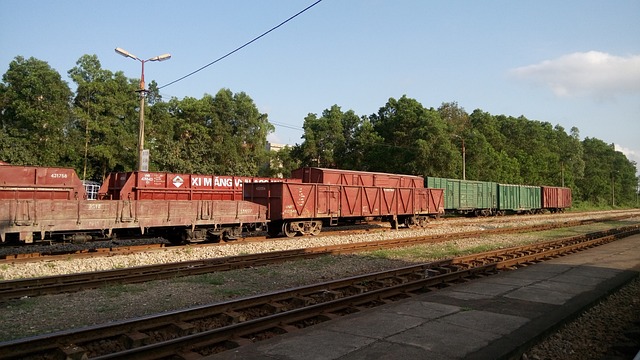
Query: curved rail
point(205, 330)
point(75, 282)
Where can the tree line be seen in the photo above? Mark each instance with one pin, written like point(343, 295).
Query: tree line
point(94, 129)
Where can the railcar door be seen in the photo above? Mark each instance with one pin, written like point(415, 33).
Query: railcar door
point(328, 204)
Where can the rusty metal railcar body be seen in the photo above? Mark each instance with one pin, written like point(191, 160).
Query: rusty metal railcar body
point(360, 178)
point(303, 208)
point(79, 220)
point(556, 199)
point(31, 182)
point(38, 203)
point(170, 186)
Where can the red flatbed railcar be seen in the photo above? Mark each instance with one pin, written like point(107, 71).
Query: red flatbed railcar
point(303, 208)
point(50, 204)
point(352, 177)
point(31, 182)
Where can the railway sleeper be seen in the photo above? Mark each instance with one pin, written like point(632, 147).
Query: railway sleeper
point(134, 339)
point(73, 352)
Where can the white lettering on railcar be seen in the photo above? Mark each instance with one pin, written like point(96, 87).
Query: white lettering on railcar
point(59, 176)
point(223, 182)
point(146, 178)
point(201, 181)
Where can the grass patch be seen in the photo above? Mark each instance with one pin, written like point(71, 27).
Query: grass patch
point(106, 308)
point(117, 290)
point(26, 304)
point(432, 252)
point(204, 279)
point(231, 293)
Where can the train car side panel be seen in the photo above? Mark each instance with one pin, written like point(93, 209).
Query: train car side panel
point(352, 201)
point(556, 198)
point(24, 219)
point(467, 195)
point(293, 200)
point(389, 202)
point(407, 201)
point(429, 201)
point(519, 198)
point(171, 186)
point(30, 182)
point(356, 178)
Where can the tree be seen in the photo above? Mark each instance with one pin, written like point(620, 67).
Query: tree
point(324, 138)
point(417, 139)
point(106, 107)
point(225, 134)
point(35, 115)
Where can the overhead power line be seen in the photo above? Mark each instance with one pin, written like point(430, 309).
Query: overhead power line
point(243, 46)
point(287, 126)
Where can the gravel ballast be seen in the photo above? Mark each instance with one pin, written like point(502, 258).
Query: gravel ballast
point(31, 316)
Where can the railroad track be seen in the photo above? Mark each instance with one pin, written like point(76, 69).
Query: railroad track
point(205, 330)
point(31, 287)
point(61, 251)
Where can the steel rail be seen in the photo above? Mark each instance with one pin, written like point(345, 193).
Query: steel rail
point(289, 308)
point(10, 289)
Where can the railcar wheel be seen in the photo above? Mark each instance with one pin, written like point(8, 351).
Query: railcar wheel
point(288, 232)
point(317, 227)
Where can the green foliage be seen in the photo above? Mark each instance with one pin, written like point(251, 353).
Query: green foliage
point(95, 130)
point(35, 114)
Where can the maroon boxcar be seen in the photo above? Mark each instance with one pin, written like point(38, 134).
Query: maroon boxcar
point(360, 178)
point(302, 208)
point(30, 182)
point(168, 186)
point(555, 199)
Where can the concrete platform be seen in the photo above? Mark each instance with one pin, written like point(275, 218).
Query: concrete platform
point(490, 318)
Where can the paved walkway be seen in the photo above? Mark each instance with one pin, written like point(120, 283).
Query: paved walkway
point(491, 318)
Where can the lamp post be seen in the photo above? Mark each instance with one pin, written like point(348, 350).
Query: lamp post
point(464, 156)
point(142, 92)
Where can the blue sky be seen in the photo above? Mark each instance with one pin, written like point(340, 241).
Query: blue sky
point(570, 62)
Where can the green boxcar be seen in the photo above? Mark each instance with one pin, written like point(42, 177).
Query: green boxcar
point(519, 198)
point(467, 196)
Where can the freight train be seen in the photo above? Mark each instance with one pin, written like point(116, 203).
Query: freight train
point(51, 204)
point(482, 198)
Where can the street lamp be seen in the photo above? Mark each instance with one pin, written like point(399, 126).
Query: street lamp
point(142, 92)
point(464, 165)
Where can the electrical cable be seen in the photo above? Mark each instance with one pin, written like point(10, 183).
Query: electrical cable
point(241, 47)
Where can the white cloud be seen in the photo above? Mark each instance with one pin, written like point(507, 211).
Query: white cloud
point(631, 154)
point(590, 73)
